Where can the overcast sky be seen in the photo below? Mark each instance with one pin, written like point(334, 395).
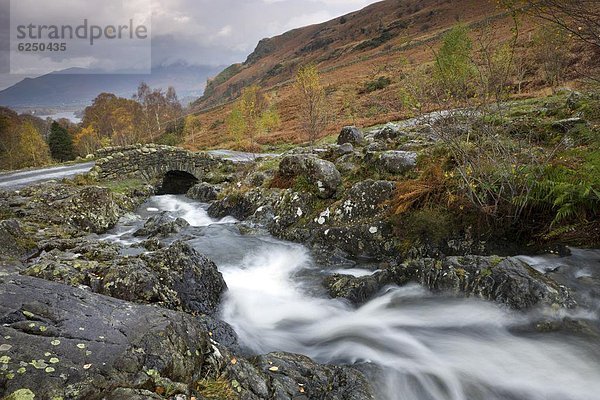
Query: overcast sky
point(202, 32)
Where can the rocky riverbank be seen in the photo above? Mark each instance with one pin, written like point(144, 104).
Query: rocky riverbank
point(86, 318)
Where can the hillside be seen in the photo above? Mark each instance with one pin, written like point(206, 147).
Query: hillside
point(77, 88)
point(384, 40)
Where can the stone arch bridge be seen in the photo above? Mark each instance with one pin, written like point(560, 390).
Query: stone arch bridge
point(178, 169)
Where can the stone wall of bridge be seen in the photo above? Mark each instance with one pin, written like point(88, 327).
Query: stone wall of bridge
point(151, 162)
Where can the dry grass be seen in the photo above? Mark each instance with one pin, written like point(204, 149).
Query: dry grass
point(432, 187)
point(216, 389)
point(345, 71)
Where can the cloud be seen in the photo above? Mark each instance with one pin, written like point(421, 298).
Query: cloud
point(200, 32)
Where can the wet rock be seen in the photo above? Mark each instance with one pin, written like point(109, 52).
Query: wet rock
point(13, 241)
point(73, 344)
point(365, 200)
point(239, 205)
point(284, 376)
point(351, 135)
point(507, 281)
point(395, 162)
point(93, 209)
point(87, 248)
point(356, 290)
point(291, 208)
point(151, 244)
point(321, 174)
point(204, 192)
point(177, 277)
point(370, 240)
point(161, 225)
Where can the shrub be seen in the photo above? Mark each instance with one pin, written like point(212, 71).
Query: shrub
point(378, 84)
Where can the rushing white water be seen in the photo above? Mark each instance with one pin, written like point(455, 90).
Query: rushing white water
point(189, 210)
point(420, 346)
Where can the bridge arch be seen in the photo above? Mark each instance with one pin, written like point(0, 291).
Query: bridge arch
point(170, 169)
point(176, 182)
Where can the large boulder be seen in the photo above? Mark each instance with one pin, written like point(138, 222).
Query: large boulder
point(161, 225)
point(204, 192)
point(63, 342)
point(350, 134)
point(508, 281)
point(395, 162)
point(365, 200)
point(284, 376)
point(74, 209)
point(177, 277)
point(239, 205)
point(322, 175)
point(93, 209)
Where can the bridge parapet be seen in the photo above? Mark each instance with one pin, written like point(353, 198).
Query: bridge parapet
point(151, 162)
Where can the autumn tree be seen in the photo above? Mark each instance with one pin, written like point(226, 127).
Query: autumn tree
point(31, 149)
point(87, 141)
point(192, 126)
point(236, 125)
point(158, 109)
point(494, 62)
point(115, 120)
point(252, 115)
point(312, 102)
point(21, 144)
point(454, 68)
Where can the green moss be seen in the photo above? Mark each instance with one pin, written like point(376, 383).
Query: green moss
point(302, 184)
point(495, 260)
point(6, 213)
point(485, 273)
point(269, 164)
point(123, 186)
point(21, 394)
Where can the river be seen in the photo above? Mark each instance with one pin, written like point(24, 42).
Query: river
point(417, 345)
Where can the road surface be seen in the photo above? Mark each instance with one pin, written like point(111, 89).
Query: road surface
point(19, 179)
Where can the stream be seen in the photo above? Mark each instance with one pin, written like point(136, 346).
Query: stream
point(417, 345)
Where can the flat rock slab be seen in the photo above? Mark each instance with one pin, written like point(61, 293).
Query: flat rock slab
point(59, 341)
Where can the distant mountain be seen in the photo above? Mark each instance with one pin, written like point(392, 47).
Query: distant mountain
point(76, 88)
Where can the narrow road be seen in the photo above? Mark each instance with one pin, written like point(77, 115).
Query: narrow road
point(19, 179)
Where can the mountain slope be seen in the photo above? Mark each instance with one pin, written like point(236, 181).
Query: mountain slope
point(72, 88)
point(384, 42)
point(380, 29)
